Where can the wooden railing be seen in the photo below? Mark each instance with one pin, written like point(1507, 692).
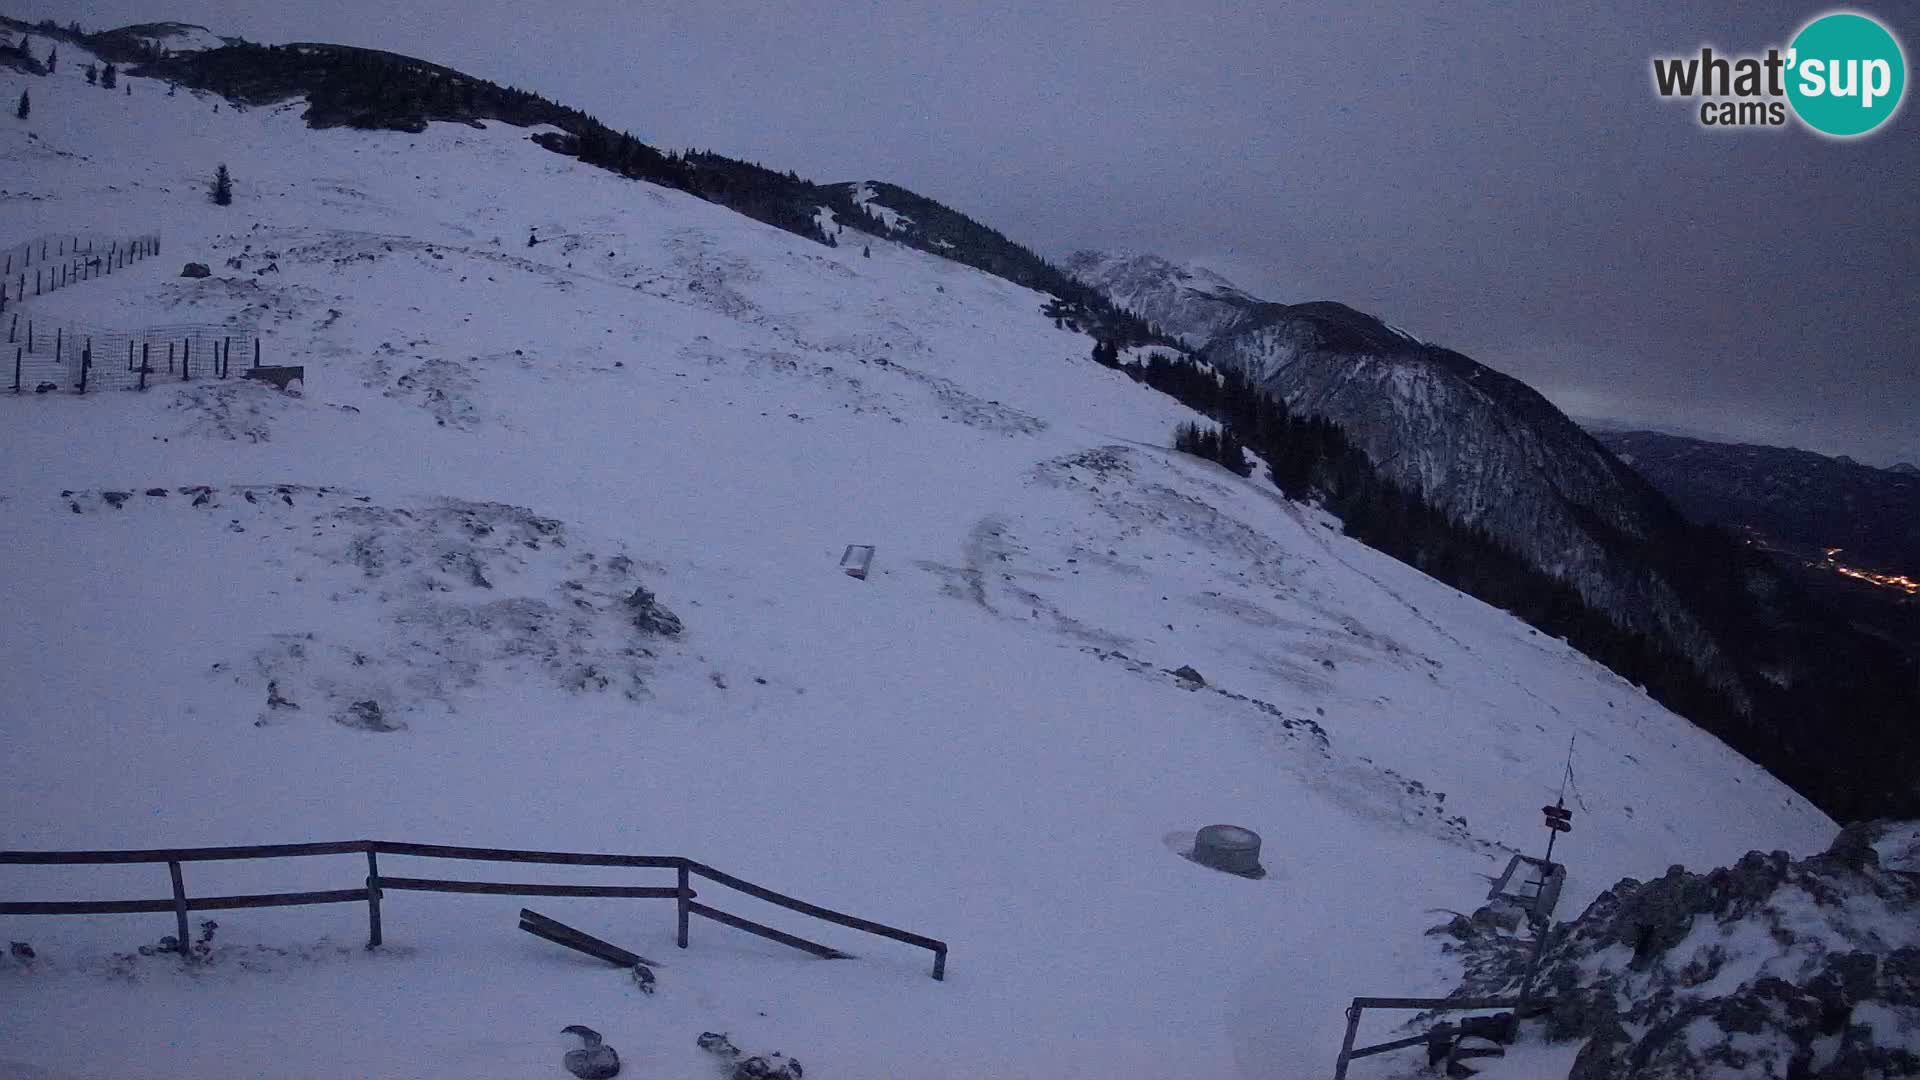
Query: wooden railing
point(376, 884)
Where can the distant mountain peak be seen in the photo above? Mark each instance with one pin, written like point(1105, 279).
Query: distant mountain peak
point(1188, 301)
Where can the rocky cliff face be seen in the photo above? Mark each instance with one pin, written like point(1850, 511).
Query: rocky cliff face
point(1768, 968)
point(1482, 446)
point(1191, 303)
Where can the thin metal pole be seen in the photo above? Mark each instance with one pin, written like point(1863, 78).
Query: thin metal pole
point(1542, 930)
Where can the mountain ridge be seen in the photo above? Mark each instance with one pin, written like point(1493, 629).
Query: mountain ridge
point(1190, 303)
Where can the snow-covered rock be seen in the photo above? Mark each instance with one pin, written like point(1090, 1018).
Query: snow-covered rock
point(1768, 969)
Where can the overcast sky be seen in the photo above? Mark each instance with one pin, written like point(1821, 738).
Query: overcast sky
point(1493, 177)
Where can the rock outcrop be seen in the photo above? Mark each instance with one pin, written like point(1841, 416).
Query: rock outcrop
point(1771, 968)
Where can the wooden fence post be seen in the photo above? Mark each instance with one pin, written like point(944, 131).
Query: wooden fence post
point(1346, 1045)
point(180, 908)
point(186, 359)
point(373, 899)
point(685, 894)
point(129, 355)
point(17, 350)
point(256, 348)
point(86, 361)
point(144, 367)
point(169, 357)
point(226, 356)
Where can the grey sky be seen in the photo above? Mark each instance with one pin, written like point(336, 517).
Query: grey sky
point(1494, 177)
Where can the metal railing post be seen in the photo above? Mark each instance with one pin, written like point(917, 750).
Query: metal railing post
point(685, 893)
point(1346, 1044)
point(180, 908)
point(373, 898)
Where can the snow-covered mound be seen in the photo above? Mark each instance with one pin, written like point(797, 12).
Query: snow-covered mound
point(570, 513)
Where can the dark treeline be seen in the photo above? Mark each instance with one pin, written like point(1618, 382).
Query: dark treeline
point(1842, 734)
point(1214, 444)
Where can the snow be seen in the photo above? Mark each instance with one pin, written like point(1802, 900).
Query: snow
point(185, 38)
point(894, 220)
point(981, 742)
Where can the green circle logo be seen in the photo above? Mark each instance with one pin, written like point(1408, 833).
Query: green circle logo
point(1846, 74)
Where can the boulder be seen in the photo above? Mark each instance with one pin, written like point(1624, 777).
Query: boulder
point(196, 270)
point(650, 617)
point(367, 715)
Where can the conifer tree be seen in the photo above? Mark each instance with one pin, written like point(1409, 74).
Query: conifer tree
point(53, 57)
point(93, 75)
point(25, 106)
point(109, 76)
point(222, 192)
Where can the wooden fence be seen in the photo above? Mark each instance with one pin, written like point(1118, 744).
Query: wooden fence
point(48, 263)
point(376, 884)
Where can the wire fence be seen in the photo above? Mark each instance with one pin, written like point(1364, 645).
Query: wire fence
point(48, 263)
point(84, 359)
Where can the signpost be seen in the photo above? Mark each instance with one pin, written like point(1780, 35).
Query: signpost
point(1559, 820)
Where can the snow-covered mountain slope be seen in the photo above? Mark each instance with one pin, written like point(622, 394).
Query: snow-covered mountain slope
point(1191, 303)
point(497, 444)
point(1485, 448)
